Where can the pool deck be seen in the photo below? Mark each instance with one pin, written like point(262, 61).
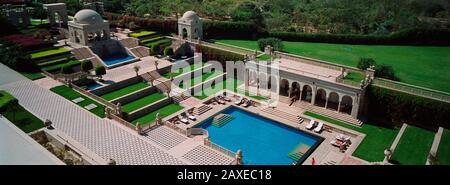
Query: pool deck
point(324, 154)
point(124, 72)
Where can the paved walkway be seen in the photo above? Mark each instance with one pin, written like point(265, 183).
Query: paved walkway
point(146, 64)
point(104, 137)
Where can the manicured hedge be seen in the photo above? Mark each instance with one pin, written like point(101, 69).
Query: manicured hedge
point(231, 30)
point(401, 107)
point(49, 53)
point(209, 54)
point(166, 26)
point(141, 34)
point(405, 37)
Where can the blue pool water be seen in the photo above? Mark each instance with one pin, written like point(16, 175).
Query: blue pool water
point(262, 141)
point(93, 86)
point(116, 59)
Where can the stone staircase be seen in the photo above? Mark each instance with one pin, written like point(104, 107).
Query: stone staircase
point(221, 119)
point(140, 51)
point(180, 98)
point(130, 42)
point(285, 115)
point(202, 109)
point(334, 114)
point(85, 53)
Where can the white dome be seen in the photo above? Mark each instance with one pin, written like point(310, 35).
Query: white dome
point(88, 16)
point(190, 15)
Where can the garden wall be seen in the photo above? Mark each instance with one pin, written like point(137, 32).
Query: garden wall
point(119, 85)
point(398, 107)
point(136, 95)
point(153, 107)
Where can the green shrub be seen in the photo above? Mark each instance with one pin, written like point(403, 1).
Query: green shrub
point(277, 44)
point(365, 63)
point(385, 71)
point(100, 71)
point(66, 69)
point(155, 49)
point(168, 51)
point(86, 65)
point(6, 99)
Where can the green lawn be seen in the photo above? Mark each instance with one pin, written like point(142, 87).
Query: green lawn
point(146, 41)
point(180, 71)
point(33, 75)
point(124, 91)
point(163, 112)
point(229, 84)
point(163, 42)
point(58, 66)
point(354, 77)
point(204, 77)
point(377, 138)
point(37, 22)
point(23, 119)
point(18, 115)
point(414, 146)
point(50, 52)
point(71, 94)
point(142, 34)
point(418, 65)
point(264, 57)
point(142, 102)
point(443, 153)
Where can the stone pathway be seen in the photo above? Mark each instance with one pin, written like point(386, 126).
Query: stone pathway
point(436, 141)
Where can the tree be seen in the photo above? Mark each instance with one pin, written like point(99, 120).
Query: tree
point(168, 51)
point(136, 69)
point(100, 71)
point(365, 63)
point(155, 49)
point(86, 66)
point(39, 13)
point(276, 43)
point(175, 7)
point(249, 12)
point(385, 71)
point(13, 57)
point(66, 69)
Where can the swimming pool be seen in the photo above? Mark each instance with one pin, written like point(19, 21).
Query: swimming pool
point(261, 140)
point(115, 59)
point(93, 85)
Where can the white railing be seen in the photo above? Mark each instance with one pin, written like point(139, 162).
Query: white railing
point(219, 148)
point(412, 89)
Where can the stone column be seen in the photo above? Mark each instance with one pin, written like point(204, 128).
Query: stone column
point(355, 107)
point(326, 99)
point(313, 95)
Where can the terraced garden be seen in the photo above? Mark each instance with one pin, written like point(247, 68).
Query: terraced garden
point(141, 34)
point(180, 71)
point(163, 112)
point(124, 91)
point(414, 146)
point(204, 77)
point(49, 52)
point(142, 102)
point(57, 64)
point(71, 94)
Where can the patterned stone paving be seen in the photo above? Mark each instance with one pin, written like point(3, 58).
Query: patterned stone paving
point(205, 156)
point(165, 137)
point(98, 135)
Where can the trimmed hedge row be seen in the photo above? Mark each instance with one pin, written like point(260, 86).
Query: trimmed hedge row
point(405, 37)
point(209, 54)
point(398, 107)
point(231, 30)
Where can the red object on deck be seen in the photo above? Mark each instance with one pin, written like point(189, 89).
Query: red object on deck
point(313, 162)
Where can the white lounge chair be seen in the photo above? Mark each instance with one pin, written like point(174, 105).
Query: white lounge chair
point(310, 125)
point(191, 116)
point(319, 127)
point(343, 137)
point(247, 103)
point(183, 119)
point(239, 100)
